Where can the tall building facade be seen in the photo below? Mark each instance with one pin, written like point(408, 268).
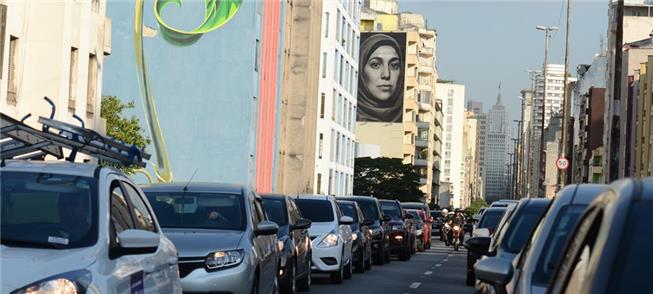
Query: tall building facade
point(453, 101)
point(411, 135)
point(525, 169)
point(496, 153)
point(470, 163)
point(337, 92)
point(228, 109)
point(57, 50)
point(481, 121)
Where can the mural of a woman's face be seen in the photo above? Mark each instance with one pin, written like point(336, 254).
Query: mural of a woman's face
point(381, 72)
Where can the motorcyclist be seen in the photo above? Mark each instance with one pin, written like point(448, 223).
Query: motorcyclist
point(457, 219)
point(443, 230)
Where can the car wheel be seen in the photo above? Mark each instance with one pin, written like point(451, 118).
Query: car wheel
point(304, 284)
point(360, 264)
point(368, 260)
point(290, 283)
point(336, 277)
point(379, 258)
point(348, 270)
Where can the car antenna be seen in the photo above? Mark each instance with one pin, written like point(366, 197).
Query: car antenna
point(189, 180)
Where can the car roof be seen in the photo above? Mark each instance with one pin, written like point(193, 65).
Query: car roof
point(195, 187)
point(388, 200)
point(51, 166)
point(420, 204)
point(346, 202)
point(314, 197)
point(274, 196)
point(583, 193)
point(497, 209)
point(356, 198)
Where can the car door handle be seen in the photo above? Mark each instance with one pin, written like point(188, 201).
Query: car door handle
point(172, 260)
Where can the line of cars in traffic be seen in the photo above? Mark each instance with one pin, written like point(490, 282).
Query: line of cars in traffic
point(82, 228)
point(589, 239)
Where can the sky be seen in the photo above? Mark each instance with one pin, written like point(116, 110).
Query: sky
point(483, 43)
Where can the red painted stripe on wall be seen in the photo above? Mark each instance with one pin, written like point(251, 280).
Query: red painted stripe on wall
point(268, 84)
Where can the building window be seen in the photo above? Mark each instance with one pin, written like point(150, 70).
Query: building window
point(330, 182)
point(95, 6)
point(91, 87)
point(324, 64)
point(12, 87)
point(338, 33)
point(319, 183)
point(257, 52)
point(322, 98)
point(72, 79)
point(321, 146)
point(326, 24)
point(333, 105)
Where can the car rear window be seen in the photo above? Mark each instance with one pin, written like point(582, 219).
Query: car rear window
point(635, 254)
point(319, 211)
point(491, 219)
point(521, 228)
point(391, 209)
point(369, 208)
point(557, 238)
point(276, 210)
point(348, 210)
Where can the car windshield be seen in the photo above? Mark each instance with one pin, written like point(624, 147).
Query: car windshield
point(635, 254)
point(276, 210)
point(369, 208)
point(416, 216)
point(556, 239)
point(44, 210)
point(348, 209)
point(521, 228)
point(318, 211)
point(491, 219)
point(391, 209)
point(194, 210)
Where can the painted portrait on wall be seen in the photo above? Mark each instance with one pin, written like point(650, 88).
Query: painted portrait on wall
point(381, 77)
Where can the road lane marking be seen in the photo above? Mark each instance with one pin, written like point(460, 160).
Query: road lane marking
point(415, 285)
point(445, 260)
point(438, 265)
point(428, 273)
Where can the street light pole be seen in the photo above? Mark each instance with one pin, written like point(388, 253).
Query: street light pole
point(562, 179)
point(547, 35)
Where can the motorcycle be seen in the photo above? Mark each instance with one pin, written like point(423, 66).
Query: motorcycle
point(457, 231)
point(446, 229)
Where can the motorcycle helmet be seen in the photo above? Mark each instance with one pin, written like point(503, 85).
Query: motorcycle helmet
point(445, 211)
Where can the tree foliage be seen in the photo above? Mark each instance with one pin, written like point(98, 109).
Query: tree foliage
point(386, 178)
point(119, 126)
point(475, 206)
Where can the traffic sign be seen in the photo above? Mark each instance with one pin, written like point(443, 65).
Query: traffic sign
point(562, 163)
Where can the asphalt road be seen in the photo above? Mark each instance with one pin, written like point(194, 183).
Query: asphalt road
point(437, 270)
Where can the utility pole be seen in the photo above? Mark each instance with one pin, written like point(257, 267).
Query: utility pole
point(547, 35)
point(562, 175)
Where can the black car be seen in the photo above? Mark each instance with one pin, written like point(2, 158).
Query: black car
point(380, 227)
point(610, 251)
point(488, 223)
point(402, 241)
point(514, 231)
point(361, 235)
point(436, 225)
point(294, 243)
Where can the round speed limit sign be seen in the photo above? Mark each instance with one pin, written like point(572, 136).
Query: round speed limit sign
point(562, 163)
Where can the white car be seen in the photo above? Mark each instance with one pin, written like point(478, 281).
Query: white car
point(330, 234)
point(80, 228)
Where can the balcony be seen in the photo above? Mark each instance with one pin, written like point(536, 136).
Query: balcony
point(409, 149)
point(425, 107)
point(421, 162)
point(425, 69)
point(423, 125)
point(411, 59)
point(421, 143)
point(411, 82)
point(426, 51)
point(410, 127)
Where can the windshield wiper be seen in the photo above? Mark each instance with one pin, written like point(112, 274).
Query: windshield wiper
point(30, 243)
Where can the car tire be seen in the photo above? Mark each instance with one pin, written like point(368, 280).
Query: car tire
point(290, 284)
point(304, 284)
point(360, 264)
point(379, 258)
point(368, 261)
point(349, 271)
point(337, 277)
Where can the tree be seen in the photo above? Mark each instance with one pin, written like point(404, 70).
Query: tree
point(386, 178)
point(119, 127)
point(475, 206)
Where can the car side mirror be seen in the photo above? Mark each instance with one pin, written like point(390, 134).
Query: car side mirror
point(481, 232)
point(136, 242)
point(495, 271)
point(367, 222)
point(266, 228)
point(386, 218)
point(478, 245)
point(302, 224)
point(346, 220)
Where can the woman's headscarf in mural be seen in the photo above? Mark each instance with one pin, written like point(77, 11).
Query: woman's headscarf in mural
point(371, 108)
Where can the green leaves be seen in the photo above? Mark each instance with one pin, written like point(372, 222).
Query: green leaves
point(386, 178)
point(216, 14)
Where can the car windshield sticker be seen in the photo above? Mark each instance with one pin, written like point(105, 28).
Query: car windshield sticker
point(137, 283)
point(58, 240)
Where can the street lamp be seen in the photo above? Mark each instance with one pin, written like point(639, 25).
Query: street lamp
point(547, 35)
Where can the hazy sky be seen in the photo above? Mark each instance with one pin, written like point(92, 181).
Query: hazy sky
point(481, 43)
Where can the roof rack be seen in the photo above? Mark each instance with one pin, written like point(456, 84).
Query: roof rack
point(20, 141)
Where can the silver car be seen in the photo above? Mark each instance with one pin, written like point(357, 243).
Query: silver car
point(224, 239)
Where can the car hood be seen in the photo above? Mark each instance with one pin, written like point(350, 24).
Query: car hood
point(201, 242)
point(318, 229)
point(23, 266)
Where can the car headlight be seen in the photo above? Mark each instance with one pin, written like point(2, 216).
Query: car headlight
point(354, 237)
point(67, 283)
point(279, 245)
point(221, 259)
point(397, 227)
point(329, 240)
